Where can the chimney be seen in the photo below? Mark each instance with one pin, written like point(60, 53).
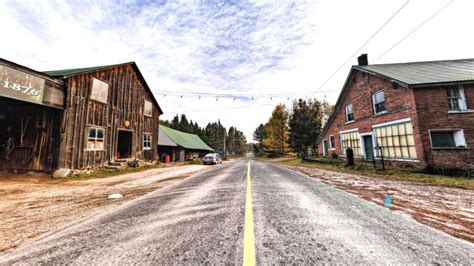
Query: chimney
point(363, 60)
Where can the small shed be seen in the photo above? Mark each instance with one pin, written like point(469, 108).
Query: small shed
point(180, 146)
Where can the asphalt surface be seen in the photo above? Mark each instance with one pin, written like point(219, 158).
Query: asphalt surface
point(201, 220)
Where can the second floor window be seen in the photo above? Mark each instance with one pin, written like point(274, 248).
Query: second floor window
point(349, 113)
point(378, 100)
point(456, 99)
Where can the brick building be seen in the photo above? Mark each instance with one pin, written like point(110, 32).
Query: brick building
point(419, 113)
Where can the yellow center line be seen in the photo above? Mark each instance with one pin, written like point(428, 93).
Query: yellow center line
point(249, 236)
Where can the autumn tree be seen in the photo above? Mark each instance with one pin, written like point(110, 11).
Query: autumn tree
point(277, 131)
point(305, 124)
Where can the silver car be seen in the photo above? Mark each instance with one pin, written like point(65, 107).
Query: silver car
point(212, 158)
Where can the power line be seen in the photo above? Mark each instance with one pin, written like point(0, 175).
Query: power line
point(415, 29)
point(362, 46)
point(235, 94)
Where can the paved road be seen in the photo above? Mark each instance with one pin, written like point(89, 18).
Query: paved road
point(201, 220)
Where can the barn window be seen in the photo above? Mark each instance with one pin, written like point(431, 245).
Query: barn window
point(447, 139)
point(100, 91)
point(350, 140)
point(331, 142)
point(456, 99)
point(396, 141)
point(378, 101)
point(349, 113)
point(147, 141)
point(148, 109)
point(96, 139)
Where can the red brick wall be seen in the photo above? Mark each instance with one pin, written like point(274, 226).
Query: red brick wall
point(399, 102)
point(432, 109)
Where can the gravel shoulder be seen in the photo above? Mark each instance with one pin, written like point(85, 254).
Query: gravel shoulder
point(34, 205)
point(447, 209)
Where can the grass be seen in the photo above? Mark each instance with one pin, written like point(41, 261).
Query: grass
point(393, 173)
point(103, 173)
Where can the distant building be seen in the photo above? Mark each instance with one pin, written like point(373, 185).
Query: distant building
point(180, 146)
point(75, 118)
point(418, 113)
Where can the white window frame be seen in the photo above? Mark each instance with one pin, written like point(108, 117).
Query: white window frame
point(374, 103)
point(347, 114)
point(462, 100)
point(332, 144)
point(459, 138)
point(145, 141)
point(95, 138)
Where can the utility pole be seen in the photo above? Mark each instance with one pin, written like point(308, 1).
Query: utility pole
point(224, 143)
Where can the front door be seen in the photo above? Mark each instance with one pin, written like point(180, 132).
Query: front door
point(124, 145)
point(325, 148)
point(369, 148)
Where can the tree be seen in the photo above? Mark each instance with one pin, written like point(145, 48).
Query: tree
point(304, 125)
point(277, 131)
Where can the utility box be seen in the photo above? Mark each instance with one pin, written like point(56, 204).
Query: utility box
point(350, 156)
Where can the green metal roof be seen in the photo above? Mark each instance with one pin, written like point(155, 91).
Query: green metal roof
point(185, 140)
point(425, 73)
point(78, 71)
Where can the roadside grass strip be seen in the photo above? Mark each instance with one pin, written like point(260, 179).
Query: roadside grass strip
point(249, 236)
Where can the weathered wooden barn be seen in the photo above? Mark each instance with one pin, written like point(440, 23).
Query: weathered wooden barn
point(76, 118)
point(31, 111)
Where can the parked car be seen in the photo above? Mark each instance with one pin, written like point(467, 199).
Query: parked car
point(212, 158)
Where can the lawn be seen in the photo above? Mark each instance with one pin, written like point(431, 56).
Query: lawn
point(392, 173)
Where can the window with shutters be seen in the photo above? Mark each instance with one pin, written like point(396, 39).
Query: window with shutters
point(396, 141)
point(350, 140)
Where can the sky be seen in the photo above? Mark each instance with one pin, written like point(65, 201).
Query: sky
point(254, 54)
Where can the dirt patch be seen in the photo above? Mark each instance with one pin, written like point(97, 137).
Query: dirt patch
point(33, 205)
point(448, 209)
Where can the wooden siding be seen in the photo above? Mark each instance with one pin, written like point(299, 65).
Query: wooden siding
point(124, 111)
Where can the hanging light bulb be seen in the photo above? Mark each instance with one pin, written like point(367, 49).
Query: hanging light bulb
point(164, 95)
point(234, 98)
point(252, 98)
point(217, 98)
point(199, 96)
point(181, 96)
point(271, 98)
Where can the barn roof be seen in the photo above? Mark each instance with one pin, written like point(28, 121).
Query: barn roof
point(185, 140)
point(64, 73)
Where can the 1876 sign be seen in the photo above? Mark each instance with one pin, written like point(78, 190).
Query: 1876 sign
point(20, 85)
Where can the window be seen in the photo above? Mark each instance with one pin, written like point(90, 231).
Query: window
point(456, 99)
point(396, 141)
point(147, 141)
point(331, 142)
point(349, 113)
point(350, 140)
point(100, 90)
point(447, 138)
point(95, 139)
point(378, 101)
point(148, 109)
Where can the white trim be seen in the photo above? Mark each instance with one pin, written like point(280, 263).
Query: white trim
point(325, 145)
point(373, 103)
point(399, 121)
point(366, 134)
point(459, 138)
point(460, 111)
point(348, 130)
